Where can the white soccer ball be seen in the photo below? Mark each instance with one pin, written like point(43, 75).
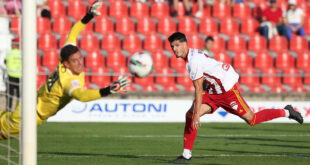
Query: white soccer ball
point(140, 64)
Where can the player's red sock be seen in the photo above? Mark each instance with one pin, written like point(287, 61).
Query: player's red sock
point(189, 132)
point(266, 115)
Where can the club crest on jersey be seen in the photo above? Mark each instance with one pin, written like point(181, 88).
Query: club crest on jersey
point(234, 105)
point(225, 67)
point(75, 83)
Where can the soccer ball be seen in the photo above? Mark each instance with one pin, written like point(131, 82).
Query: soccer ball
point(140, 64)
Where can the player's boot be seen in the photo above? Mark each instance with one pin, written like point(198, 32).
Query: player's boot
point(294, 114)
point(181, 159)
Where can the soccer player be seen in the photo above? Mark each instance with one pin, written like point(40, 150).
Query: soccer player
point(64, 84)
point(221, 91)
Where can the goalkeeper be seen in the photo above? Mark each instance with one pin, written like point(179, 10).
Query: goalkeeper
point(64, 84)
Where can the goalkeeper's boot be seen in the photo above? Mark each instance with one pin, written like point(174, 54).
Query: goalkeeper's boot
point(181, 159)
point(294, 114)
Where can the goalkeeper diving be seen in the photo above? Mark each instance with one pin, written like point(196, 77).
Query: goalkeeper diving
point(64, 84)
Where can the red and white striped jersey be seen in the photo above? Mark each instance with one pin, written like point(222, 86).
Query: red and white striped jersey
point(220, 77)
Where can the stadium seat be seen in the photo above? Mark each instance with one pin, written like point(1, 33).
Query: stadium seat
point(219, 43)
point(160, 10)
point(263, 60)
point(250, 77)
point(118, 9)
point(299, 89)
point(39, 60)
point(257, 43)
point(249, 26)
point(153, 42)
point(62, 40)
point(259, 8)
point(307, 77)
point(146, 83)
point(89, 42)
point(243, 60)
point(221, 10)
point(177, 63)
point(47, 42)
point(236, 43)
point(271, 77)
point(278, 43)
point(160, 60)
point(101, 76)
point(166, 78)
point(41, 77)
point(298, 44)
point(242, 11)
point(292, 77)
point(257, 89)
point(15, 24)
point(285, 60)
point(43, 25)
point(125, 25)
point(223, 57)
point(208, 26)
point(303, 60)
point(205, 13)
point(166, 26)
point(76, 10)
point(116, 59)
point(307, 25)
point(88, 29)
point(187, 25)
point(62, 25)
point(146, 25)
point(50, 59)
point(229, 26)
point(94, 59)
point(104, 25)
point(132, 43)
point(184, 80)
point(110, 42)
point(139, 10)
point(57, 8)
point(195, 41)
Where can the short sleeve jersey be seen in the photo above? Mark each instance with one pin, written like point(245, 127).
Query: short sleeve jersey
point(219, 77)
point(294, 16)
point(273, 16)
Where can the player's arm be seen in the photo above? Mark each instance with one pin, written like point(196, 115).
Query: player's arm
point(79, 26)
point(198, 84)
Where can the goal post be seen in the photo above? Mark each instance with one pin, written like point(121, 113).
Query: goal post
point(28, 103)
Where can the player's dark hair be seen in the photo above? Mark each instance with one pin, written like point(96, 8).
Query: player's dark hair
point(67, 51)
point(209, 38)
point(177, 36)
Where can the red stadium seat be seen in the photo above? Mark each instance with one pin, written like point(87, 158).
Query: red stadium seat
point(160, 10)
point(94, 59)
point(236, 43)
point(208, 26)
point(303, 60)
point(57, 8)
point(299, 89)
point(118, 9)
point(219, 43)
point(89, 42)
point(221, 10)
point(229, 26)
point(259, 8)
point(307, 77)
point(249, 26)
point(160, 60)
point(132, 43)
point(243, 60)
point(298, 43)
point(166, 26)
point(39, 63)
point(77, 9)
point(249, 77)
point(62, 25)
point(101, 76)
point(116, 59)
point(110, 42)
point(146, 25)
point(242, 11)
point(292, 77)
point(223, 57)
point(15, 25)
point(43, 25)
point(263, 60)
point(205, 13)
point(125, 25)
point(166, 78)
point(195, 41)
point(285, 60)
point(185, 80)
point(271, 77)
point(278, 89)
point(257, 89)
point(307, 25)
point(187, 25)
point(177, 63)
point(278, 43)
point(41, 77)
point(47, 42)
point(146, 83)
point(89, 28)
point(62, 40)
point(104, 25)
point(139, 10)
point(153, 42)
point(257, 43)
point(50, 59)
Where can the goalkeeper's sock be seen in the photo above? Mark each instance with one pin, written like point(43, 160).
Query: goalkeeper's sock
point(266, 115)
point(189, 132)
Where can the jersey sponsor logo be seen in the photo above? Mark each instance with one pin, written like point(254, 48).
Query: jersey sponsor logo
point(225, 67)
point(75, 83)
point(234, 105)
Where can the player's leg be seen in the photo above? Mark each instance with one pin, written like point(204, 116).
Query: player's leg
point(9, 123)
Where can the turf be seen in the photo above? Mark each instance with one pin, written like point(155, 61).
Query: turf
point(158, 143)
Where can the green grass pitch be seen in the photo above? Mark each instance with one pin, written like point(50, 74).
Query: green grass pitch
point(158, 143)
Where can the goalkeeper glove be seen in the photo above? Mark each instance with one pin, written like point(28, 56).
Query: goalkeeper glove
point(93, 9)
point(119, 85)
